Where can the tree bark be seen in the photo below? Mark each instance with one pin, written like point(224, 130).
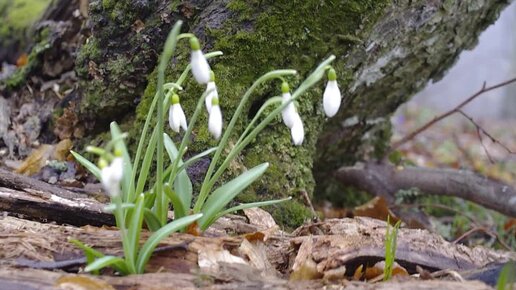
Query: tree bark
point(386, 51)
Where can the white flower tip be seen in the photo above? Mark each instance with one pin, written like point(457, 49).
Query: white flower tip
point(112, 175)
point(177, 118)
point(289, 112)
point(213, 93)
point(200, 67)
point(297, 131)
point(331, 99)
point(215, 122)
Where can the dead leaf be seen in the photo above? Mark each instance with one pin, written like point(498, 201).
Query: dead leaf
point(260, 218)
point(39, 157)
point(304, 267)
point(256, 236)
point(306, 271)
point(377, 270)
point(211, 259)
point(36, 160)
point(22, 60)
point(335, 275)
point(257, 256)
point(375, 208)
point(358, 273)
point(82, 283)
point(138, 26)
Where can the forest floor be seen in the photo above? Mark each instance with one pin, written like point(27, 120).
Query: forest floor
point(466, 242)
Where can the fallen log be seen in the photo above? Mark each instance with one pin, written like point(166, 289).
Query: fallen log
point(385, 180)
point(262, 259)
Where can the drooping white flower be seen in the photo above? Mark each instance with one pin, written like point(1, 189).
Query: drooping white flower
point(111, 176)
point(297, 131)
point(331, 96)
point(200, 66)
point(215, 119)
point(213, 91)
point(176, 116)
point(287, 114)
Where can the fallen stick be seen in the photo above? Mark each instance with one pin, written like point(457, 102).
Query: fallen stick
point(385, 180)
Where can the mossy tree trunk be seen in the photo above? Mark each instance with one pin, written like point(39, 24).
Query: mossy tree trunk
point(386, 51)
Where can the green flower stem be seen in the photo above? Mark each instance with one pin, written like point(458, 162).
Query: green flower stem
point(185, 35)
point(168, 51)
point(223, 142)
point(239, 146)
point(121, 225)
point(268, 103)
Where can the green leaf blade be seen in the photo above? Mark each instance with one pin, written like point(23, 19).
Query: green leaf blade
point(227, 192)
point(157, 237)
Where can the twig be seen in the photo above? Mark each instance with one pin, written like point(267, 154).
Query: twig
point(386, 180)
point(481, 131)
point(413, 134)
point(310, 205)
point(486, 231)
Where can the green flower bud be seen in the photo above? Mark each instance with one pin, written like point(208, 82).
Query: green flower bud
point(215, 101)
point(118, 153)
point(332, 75)
point(194, 43)
point(175, 99)
point(285, 88)
point(102, 163)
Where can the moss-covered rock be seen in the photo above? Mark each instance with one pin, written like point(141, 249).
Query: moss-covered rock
point(17, 18)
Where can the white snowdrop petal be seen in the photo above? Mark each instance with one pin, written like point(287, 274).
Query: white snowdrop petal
point(211, 95)
point(215, 122)
point(117, 167)
point(182, 118)
point(289, 112)
point(173, 118)
point(331, 98)
point(297, 131)
point(200, 67)
point(111, 176)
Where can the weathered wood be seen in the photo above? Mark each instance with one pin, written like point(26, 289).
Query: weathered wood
point(385, 180)
point(352, 242)
point(237, 261)
point(39, 200)
point(29, 279)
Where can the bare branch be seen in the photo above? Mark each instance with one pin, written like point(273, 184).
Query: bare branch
point(385, 180)
point(439, 118)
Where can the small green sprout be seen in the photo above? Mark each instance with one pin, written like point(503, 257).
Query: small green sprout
point(391, 236)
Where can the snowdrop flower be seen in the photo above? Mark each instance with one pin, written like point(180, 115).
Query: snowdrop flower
point(111, 175)
point(297, 131)
point(331, 96)
point(200, 66)
point(213, 94)
point(176, 116)
point(215, 119)
point(289, 112)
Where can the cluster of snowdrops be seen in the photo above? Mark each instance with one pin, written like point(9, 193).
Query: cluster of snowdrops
point(134, 199)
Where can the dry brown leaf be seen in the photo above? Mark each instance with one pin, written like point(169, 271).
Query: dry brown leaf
point(39, 157)
point(306, 271)
point(82, 283)
point(377, 270)
point(358, 273)
point(260, 218)
point(22, 60)
point(376, 208)
point(211, 259)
